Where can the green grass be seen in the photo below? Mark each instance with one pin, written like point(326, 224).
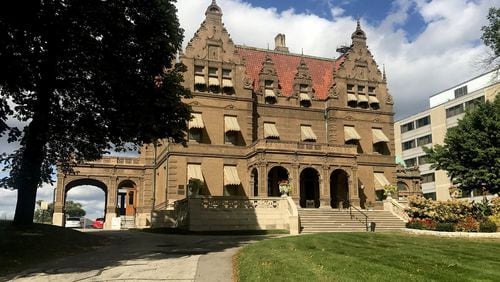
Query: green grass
point(369, 257)
point(22, 247)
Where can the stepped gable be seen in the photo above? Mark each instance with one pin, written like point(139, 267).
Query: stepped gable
point(320, 69)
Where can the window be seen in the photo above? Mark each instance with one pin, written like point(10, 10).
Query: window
point(428, 178)
point(423, 121)
point(212, 71)
point(431, 196)
point(230, 138)
point(303, 88)
point(371, 90)
point(411, 162)
point(455, 110)
point(199, 69)
point(423, 160)
point(195, 135)
point(407, 127)
point(408, 145)
point(424, 140)
point(462, 91)
point(307, 134)
point(226, 73)
point(268, 84)
point(361, 89)
point(304, 99)
point(474, 102)
point(269, 94)
point(350, 88)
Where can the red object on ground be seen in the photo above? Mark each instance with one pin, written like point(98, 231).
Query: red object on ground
point(98, 223)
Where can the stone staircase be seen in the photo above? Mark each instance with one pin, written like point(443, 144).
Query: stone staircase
point(331, 220)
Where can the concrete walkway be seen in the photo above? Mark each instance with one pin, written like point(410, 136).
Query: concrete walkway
point(140, 256)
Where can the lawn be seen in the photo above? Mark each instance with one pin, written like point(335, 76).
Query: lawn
point(22, 247)
point(369, 257)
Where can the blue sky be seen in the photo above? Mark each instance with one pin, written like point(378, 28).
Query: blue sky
point(426, 46)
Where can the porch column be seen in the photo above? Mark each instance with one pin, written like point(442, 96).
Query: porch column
point(262, 184)
point(353, 187)
point(294, 179)
point(324, 187)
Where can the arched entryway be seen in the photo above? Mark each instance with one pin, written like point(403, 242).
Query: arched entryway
point(403, 190)
point(275, 175)
point(254, 182)
point(309, 188)
point(339, 189)
point(92, 194)
point(126, 199)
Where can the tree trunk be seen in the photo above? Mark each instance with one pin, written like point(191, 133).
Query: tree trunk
point(29, 176)
point(26, 181)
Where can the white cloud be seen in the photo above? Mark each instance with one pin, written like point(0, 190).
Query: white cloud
point(445, 53)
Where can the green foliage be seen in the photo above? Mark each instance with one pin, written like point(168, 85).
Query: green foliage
point(44, 216)
point(74, 209)
point(471, 150)
point(491, 33)
point(445, 226)
point(487, 226)
point(468, 224)
point(414, 224)
point(390, 190)
point(86, 77)
point(495, 218)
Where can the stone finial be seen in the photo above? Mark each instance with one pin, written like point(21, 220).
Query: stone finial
point(358, 34)
point(213, 12)
point(384, 77)
point(280, 44)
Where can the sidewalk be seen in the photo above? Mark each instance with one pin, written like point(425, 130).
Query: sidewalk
point(141, 256)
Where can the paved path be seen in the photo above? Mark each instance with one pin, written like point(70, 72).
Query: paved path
point(140, 256)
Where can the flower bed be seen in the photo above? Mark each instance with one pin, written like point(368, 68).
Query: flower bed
point(453, 215)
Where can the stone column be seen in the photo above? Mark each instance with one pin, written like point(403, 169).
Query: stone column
point(353, 188)
point(262, 171)
point(325, 187)
point(58, 216)
point(294, 179)
point(112, 194)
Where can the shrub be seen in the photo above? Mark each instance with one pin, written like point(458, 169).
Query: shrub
point(495, 218)
point(445, 226)
point(414, 224)
point(481, 210)
point(495, 206)
point(468, 224)
point(487, 226)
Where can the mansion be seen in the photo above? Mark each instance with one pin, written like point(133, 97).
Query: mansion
point(261, 118)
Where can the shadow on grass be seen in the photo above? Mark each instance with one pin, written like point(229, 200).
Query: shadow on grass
point(54, 250)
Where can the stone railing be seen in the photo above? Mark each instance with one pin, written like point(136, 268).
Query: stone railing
point(181, 213)
point(396, 208)
point(301, 146)
point(117, 161)
point(218, 213)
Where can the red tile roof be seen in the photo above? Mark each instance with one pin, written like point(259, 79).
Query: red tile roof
point(321, 69)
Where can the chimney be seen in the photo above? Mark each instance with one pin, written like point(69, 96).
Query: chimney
point(279, 43)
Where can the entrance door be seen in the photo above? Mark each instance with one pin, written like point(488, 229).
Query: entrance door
point(126, 201)
point(309, 188)
point(339, 189)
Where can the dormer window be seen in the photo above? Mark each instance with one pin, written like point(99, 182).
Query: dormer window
point(304, 98)
point(227, 82)
point(372, 98)
point(350, 88)
point(200, 83)
point(362, 98)
point(213, 80)
point(269, 94)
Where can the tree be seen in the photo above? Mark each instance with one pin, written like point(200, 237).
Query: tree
point(44, 216)
point(86, 76)
point(471, 150)
point(74, 209)
point(491, 35)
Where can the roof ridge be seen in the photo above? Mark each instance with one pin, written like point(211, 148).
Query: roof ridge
point(286, 54)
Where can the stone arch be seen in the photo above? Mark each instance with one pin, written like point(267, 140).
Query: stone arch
point(73, 183)
point(339, 189)
point(276, 174)
point(309, 187)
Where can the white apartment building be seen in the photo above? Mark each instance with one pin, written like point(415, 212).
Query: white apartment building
point(429, 127)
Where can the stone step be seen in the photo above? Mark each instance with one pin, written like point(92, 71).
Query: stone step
point(325, 220)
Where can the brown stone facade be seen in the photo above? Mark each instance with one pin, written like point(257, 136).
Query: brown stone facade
point(262, 117)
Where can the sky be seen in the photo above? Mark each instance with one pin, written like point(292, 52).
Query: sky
point(426, 46)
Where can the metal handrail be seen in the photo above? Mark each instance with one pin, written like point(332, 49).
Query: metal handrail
point(361, 212)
